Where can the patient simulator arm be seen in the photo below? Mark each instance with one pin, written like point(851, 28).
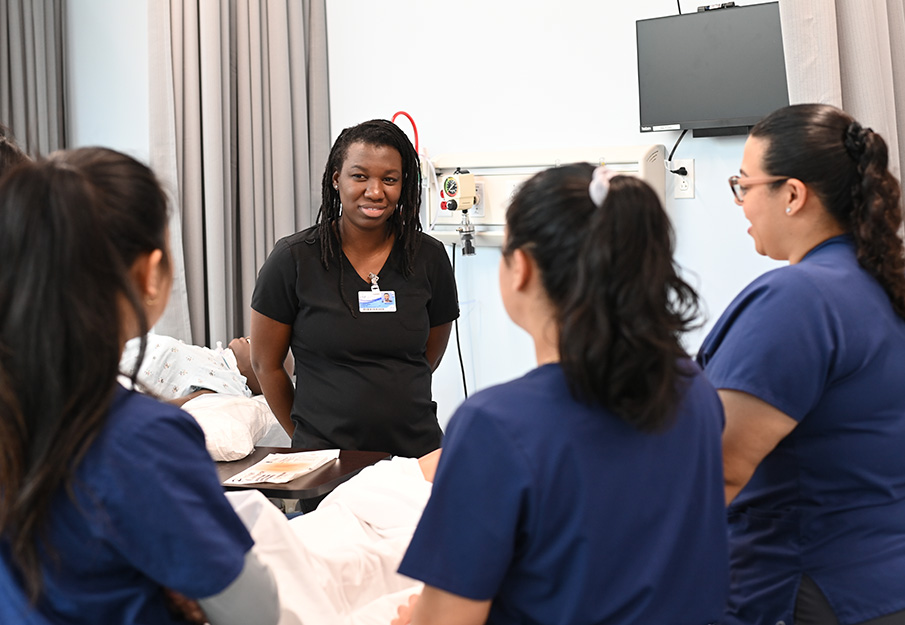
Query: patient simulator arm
point(437, 341)
point(269, 344)
point(179, 401)
point(428, 464)
point(438, 607)
point(251, 598)
point(753, 429)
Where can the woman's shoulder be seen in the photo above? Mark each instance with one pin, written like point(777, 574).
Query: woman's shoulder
point(429, 245)
point(307, 237)
point(134, 416)
point(828, 275)
point(794, 300)
point(784, 287)
point(302, 246)
point(519, 399)
point(141, 436)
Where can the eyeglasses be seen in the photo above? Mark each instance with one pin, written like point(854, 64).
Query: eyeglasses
point(740, 184)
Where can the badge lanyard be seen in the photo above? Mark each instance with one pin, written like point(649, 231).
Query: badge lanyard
point(376, 300)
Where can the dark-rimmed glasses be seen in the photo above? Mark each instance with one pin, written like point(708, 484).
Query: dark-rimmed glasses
point(740, 184)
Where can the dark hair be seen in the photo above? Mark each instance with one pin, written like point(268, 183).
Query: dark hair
point(846, 166)
point(609, 273)
point(71, 227)
point(10, 153)
point(405, 222)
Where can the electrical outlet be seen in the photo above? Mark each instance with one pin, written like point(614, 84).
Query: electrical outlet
point(684, 185)
point(477, 211)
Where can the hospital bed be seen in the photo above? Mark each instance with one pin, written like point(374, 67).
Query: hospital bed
point(337, 565)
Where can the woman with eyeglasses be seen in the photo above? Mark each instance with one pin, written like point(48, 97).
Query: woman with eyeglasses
point(809, 361)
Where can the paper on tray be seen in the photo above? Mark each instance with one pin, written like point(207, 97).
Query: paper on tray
point(282, 468)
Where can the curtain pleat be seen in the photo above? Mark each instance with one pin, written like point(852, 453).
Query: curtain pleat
point(317, 88)
point(243, 136)
point(166, 157)
point(868, 91)
point(812, 54)
point(32, 95)
point(850, 53)
point(896, 18)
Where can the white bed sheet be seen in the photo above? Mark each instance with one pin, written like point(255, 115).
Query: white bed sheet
point(337, 564)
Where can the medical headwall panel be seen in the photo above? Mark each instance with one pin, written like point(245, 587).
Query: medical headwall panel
point(498, 174)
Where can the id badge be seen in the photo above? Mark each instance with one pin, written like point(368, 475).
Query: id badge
point(377, 301)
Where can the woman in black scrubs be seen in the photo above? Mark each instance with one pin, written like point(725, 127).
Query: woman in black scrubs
point(364, 299)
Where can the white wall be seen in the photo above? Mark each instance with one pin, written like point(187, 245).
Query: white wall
point(509, 74)
point(107, 61)
point(475, 75)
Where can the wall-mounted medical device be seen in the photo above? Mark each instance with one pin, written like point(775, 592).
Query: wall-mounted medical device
point(497, 175)
point(457, 193)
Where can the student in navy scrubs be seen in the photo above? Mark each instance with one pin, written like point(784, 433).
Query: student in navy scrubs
point(589, 490)
point(111, 510)
point(809, 362)
point(364, 299)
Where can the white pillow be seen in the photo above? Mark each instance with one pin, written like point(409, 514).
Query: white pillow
point(232, 425)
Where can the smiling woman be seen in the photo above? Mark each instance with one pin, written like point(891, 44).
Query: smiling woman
point(369, 186)
point(363, 379)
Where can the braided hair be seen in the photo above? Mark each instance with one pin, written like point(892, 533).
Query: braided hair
point(404, 223)
point(846, 166)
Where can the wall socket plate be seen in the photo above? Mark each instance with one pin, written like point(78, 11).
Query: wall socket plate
point(683, 185)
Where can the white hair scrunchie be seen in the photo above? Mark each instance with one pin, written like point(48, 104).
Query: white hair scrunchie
point(600, 184)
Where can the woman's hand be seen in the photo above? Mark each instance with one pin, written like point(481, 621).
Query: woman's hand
point(184, 608)
point(438, 607)
point(404, 612)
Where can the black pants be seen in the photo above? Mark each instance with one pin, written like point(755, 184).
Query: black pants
point(812, 608)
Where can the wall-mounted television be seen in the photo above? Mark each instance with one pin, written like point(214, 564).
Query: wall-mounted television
point(715, 72)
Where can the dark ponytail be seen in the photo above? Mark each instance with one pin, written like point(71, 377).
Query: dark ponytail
point(610, 274)
point(846, 165)
point(67, 244)
point(10, 153)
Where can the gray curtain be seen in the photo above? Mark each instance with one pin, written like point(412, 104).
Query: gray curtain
point(31, 73)
point(850, 53)
point(240, 133)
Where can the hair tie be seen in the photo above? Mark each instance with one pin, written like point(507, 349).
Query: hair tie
point(600, 184)
point(856, 140)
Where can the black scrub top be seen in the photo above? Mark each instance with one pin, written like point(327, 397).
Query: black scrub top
point(362, 381)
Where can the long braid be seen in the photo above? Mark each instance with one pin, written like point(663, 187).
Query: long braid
point(877, 214)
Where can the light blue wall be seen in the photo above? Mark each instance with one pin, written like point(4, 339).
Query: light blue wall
point(511, 74)
point(107, 62)
point(475, 75)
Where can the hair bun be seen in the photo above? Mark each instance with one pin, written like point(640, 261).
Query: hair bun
point(856, 140)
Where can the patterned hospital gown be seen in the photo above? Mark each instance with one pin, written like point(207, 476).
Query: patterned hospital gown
point(173, 369)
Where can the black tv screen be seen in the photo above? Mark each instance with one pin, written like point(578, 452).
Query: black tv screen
point(715, 72)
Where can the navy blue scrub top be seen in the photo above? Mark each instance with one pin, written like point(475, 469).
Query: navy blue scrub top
point(563, 513)
point(362, 378)
point(820, 341)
